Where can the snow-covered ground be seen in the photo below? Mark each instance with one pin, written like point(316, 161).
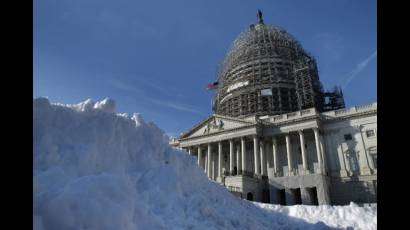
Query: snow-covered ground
point(95, 169)
point(334, 216)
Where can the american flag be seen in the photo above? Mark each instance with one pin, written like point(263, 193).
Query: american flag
point(212, 86)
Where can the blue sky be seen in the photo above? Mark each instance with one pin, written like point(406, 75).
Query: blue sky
point(156, 57)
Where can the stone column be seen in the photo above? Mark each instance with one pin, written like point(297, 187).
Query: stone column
point(322, 151)
point(189, 150)
point(231, 156)
point(266, 154)
point(213, 166)
point(238, 159)
point(209, 161)
point(275, 154)
point(289, 154)
point(264, 170)
point(206, 164)
point(243, 149)
point(200, 163)
point(302, 148)
point(269, 160)
point(219, 160)
point(318, 148)
point(256, 155)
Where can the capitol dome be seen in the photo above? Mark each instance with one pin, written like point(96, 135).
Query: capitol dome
point(266, 72)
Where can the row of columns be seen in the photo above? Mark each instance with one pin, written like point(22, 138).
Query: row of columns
point(260, 163)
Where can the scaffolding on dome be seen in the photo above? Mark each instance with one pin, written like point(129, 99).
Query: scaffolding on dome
point(333, 99)
point(267, 72)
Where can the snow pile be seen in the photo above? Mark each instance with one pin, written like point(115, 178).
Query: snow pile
point(334, 216)
point(94, 169)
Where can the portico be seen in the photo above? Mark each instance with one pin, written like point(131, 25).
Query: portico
point(235, 152)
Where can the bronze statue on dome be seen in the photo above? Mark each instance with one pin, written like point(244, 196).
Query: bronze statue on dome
point(259, 15)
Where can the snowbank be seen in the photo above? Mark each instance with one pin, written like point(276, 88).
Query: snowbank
point(334, 216)
point(94, 169)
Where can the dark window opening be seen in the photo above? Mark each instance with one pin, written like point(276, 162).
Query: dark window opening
point(313, 195)
point(249, 196)
point(370, 133)
point(281, 196)
point(265, 196)
point(297, 196)
point(348, 137)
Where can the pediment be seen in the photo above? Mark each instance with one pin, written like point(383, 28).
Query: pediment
point(214, 124)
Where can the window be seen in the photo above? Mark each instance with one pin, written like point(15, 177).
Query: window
point(352, 160)
point(348, 137)
point(373, 155)
point(370, 133)
point(374, 159)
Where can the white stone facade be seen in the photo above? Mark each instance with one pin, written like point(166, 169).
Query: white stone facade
point(303, 157)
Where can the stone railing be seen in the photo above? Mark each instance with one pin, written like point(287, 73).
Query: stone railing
point(293, 115)
point(343, 111)
point(349, 111)
point(233, 173)
point(243, 173)
point(290, 115)
point(299, 171)
point(277, 118)
point(278, 174)
point(329, 114)
point(234, 188)
point(366, 107)
point(306, 111)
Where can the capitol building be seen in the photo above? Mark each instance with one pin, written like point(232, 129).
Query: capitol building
point(276, 136)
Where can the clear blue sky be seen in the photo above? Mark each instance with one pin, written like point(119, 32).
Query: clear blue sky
point(156, 57)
